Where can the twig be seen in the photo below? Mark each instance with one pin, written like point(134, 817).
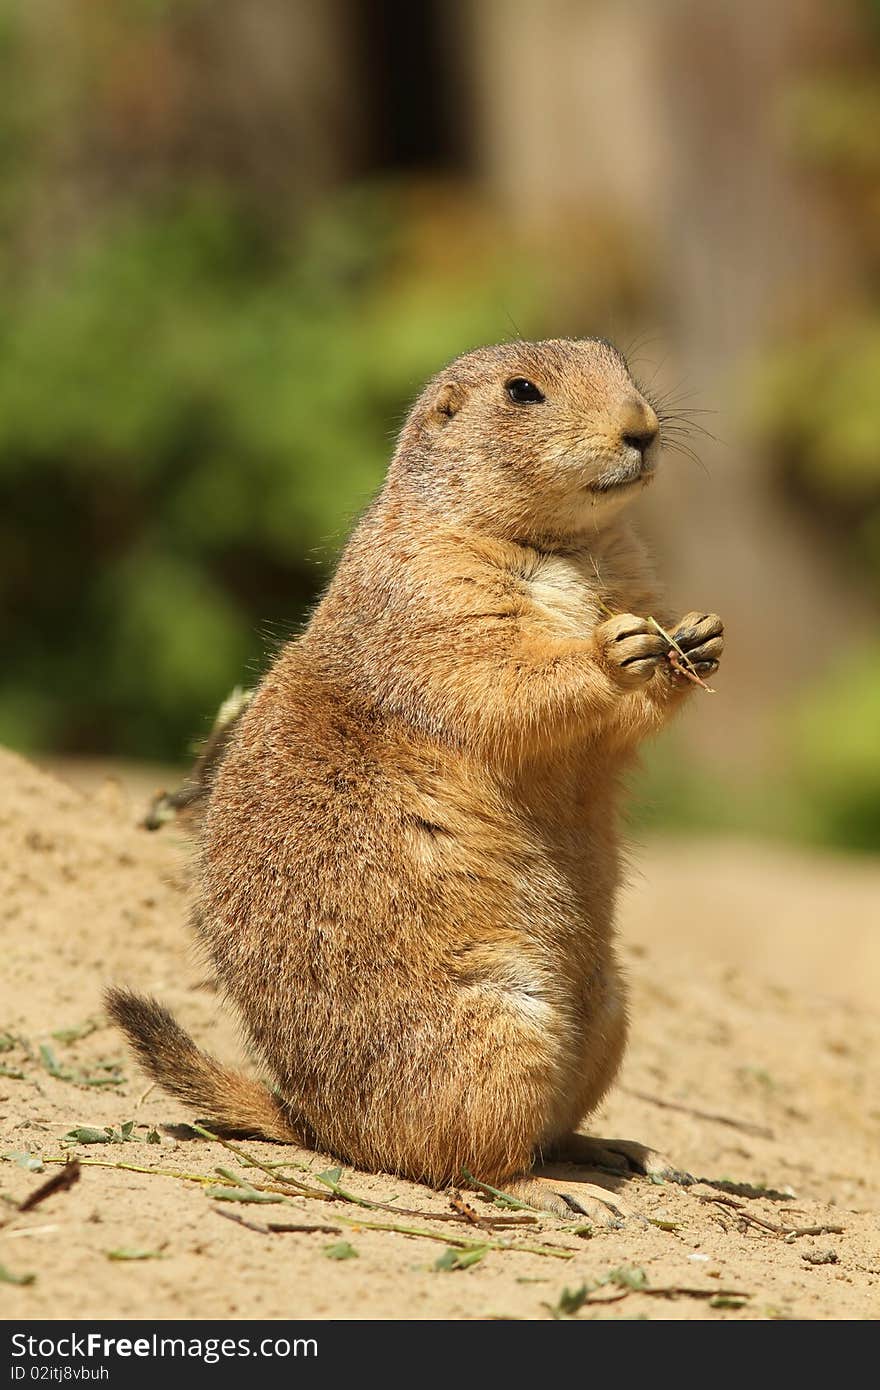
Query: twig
point(276, 1227)
point(719, 1201)
point(745, 1125)
point(597, 1296)
point(746, 1217)
point(486, 1221)
point(59, 1182)
point(682, 1291)
point(746, 1189)
point(460, 1213)
point(797, 1231)
point(286, 1227)
point(749, 1218)
point(679, 659)
point(689, 672)
point(458, 1204)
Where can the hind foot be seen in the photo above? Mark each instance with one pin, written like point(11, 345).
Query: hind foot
point(570, 1199)
point(619, 1156)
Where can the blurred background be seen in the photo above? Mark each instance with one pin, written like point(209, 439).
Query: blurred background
point(237, 235)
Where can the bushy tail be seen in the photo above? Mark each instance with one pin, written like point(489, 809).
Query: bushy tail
point(230, 1101)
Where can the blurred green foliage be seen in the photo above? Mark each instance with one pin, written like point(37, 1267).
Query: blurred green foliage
point(190, 416)
point(817, 408)
point(202, 365)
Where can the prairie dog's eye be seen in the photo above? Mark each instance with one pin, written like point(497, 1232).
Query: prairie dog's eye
point(523, 392)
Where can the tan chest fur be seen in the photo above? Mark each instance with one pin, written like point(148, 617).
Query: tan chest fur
point(559, 590)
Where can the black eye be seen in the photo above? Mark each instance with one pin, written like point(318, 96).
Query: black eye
point(523, 392)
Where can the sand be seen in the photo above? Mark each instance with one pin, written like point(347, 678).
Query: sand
point(753, 1060)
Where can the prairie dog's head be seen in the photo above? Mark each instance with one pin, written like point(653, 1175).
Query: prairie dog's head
point(531, 440)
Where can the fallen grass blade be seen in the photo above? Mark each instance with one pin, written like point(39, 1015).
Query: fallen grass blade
point(238, 1194)
point(357, 1223)
point(501, 1198)
point(206, 1179)
point(255, 1162)
point(330, 1179)
point(236, 1181)
point(125, 1253)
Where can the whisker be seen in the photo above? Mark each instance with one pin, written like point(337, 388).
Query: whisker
point(638, 344)
point(673, 424)
point(677, 436)
point(679, 395)
point(676, 447)
point(510, 319)
point(686, 412)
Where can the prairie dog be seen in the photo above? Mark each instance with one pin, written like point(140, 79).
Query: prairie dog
point(410, 852)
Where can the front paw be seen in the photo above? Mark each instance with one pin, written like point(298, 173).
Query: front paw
point(701, 637)
point(631, 648)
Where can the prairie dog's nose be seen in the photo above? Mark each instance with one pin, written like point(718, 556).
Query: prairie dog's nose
point(638, 425)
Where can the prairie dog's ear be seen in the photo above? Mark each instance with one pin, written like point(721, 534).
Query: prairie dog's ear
point(447, 402)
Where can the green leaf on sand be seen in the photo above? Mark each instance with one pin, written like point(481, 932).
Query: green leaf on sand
point(460, 1259)
point(340, 1251)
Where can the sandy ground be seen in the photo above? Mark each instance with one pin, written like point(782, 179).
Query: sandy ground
point(756, 1024)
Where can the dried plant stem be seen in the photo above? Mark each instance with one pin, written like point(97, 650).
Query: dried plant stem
point(558, 1252)
point(789, 1232)
point(206, 1179)
point(688, 672)
point(503, 1198)
point(252, 1162)
point(676, 656)
point(679, 659)
point(336, 1190)
point(357, 1223)
point(276, 1227)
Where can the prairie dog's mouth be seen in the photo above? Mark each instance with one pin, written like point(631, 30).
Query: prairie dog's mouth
point(623, 475)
